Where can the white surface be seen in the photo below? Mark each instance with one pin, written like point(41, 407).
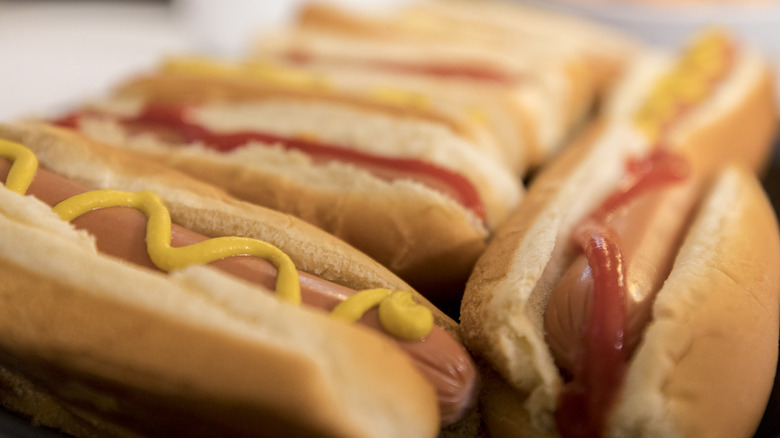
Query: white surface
point(57, 53)
point(224, 27)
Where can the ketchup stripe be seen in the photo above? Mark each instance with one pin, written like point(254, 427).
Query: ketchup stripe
point(423, 69)
point(659, 168)
point(586, 400)
point(174, 117)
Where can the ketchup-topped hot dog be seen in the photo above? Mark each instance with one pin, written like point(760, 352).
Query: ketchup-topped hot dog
point(647, 218)
point(129, 245)
point(301, 150)
point(634, 292)
point(477, 50)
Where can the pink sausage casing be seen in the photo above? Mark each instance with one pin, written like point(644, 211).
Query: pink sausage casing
point(649, 229)
point(442, 360)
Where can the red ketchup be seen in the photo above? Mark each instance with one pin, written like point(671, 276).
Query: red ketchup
point(170, 123)
point(587, 398)
point(473, 72)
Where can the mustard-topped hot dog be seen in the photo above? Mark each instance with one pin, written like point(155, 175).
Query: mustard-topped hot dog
point(171, 247)
point(301, 148)
point(488, 53)
point(637, 277)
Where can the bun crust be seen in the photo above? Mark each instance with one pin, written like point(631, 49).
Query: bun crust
point(413, 136)
point(507, 294)
point(736, 124)
point(202, 207)
point(175, 87)
point(196, 343)
point(379, 218)
point(581, 62)
point(712, 343)
point(349, 203)
point(507, 291)
point(755, 115)
point(239, 361)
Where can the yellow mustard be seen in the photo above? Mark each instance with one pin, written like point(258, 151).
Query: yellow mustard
point(23, 169)
point(255, 71)
point(687, 84)
point(398, 97)
point(168, 258)
point(288, 77)
point(477, 115)
point(399, 314)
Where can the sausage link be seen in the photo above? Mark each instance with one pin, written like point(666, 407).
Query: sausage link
point(441, 359)
point(649, 230)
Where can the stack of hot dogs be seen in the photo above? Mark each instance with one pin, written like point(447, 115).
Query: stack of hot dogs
point(235, 247)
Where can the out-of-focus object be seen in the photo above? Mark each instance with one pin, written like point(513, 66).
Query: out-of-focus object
point(547, 80)
point(667, 23)
point(675, 2)
point(55, 53)
point(223, 28)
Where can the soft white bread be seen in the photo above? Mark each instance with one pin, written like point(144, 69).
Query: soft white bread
point(502, 310)
point(482, 111)
point(122, 349)
point(732, 125)
point(545, 93)
point(462, 113)
point(478, 112)
point(380, 218)
point(737, 121)
point(494, 25)
point(203, 208)
point(712, 341)
point(143, 350)
point(507, 24)
point(331, 119)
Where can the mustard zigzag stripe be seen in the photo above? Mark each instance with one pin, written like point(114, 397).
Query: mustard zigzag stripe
point(168, 258)
point(399, 314)
point(693, 78)
point(23, 169)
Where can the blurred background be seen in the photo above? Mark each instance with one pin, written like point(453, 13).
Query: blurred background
point(56, 53)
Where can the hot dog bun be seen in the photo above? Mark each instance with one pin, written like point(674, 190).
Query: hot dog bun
point(737, 122)
point(712, 334)
point(496, 26)
point(109, 348)
point(456, 47)
point(378, 217)
point(712, 340)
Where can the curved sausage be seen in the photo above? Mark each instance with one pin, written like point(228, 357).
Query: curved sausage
point(649, 229)
point(442, 360)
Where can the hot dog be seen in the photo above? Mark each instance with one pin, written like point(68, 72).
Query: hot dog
point(440, 365)
point(451, 48)
point(635, 286)
point(383, 169)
